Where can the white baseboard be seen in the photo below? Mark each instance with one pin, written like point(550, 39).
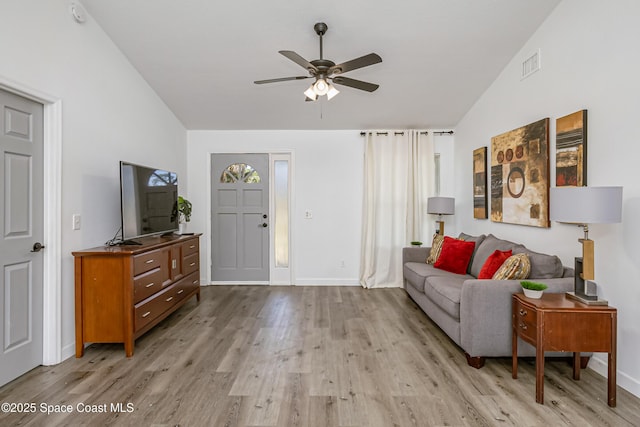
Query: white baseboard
point(625, 381)
point(68, 351)
point(304, 282)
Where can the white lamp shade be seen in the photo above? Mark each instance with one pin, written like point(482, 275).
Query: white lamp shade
point(441, 205)
point(585, 205)
point(310, 93)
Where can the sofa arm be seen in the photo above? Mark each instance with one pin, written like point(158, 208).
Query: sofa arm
point(485, 313)
point(415, 254)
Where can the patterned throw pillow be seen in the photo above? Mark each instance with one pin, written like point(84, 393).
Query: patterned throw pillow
point(436, 248)
point(516, 267)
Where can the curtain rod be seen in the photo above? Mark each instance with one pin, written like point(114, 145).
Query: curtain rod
point(395, 133)
point(450, 132)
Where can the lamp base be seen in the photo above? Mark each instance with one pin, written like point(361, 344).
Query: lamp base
point(585, 299)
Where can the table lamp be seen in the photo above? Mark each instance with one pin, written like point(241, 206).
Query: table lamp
point(583, 206)
point(441, 206)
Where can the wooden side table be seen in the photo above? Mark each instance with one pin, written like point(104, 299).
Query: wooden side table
point(556, 323)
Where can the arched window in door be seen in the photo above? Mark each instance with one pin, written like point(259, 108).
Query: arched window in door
point(239, 172)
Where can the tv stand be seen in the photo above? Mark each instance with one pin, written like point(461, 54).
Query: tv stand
point(124, 291)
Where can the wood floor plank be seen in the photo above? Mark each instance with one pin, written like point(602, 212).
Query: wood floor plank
point(307, 356)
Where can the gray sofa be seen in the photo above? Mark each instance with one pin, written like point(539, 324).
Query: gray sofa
point(476, 314)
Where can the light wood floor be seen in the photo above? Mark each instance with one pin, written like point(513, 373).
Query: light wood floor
point(307, 356)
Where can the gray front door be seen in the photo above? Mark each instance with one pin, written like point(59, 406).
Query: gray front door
point(239, 217)
point(21, 225)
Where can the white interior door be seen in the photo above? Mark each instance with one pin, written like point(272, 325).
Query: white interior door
point(22, 230)
point(240, 217)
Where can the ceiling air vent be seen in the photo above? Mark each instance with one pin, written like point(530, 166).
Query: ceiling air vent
point(530, 65)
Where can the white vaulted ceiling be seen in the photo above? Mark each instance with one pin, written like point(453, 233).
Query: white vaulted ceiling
point(202, 56)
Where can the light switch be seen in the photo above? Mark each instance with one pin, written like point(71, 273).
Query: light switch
point(76, 221)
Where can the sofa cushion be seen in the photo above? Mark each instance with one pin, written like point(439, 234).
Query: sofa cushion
point(416, 272)
point(436, 247)
point(488, 246)
point(445, 292)
point(543, 266)
point(493, 263)
point(477, 239)
point(455, 255)
point(516, 267)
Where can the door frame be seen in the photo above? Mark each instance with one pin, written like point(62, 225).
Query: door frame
point(52, 260)
point(273, 155)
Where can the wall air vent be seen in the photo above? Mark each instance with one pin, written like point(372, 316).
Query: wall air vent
point(530, 65)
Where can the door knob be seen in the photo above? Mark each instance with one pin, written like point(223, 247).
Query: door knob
point(37, 247)
point(264, 216)
point(264, 224)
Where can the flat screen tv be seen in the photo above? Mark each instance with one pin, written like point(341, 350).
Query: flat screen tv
point(148, 200)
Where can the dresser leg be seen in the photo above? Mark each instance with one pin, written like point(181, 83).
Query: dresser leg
point(576, 365)
point(79, 348)
point(128, 348)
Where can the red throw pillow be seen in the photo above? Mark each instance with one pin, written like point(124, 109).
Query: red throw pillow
point(455, 255)
point(493, 263)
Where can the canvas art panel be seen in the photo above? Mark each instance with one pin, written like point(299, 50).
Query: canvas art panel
point(520, 175)
point(571, 150)
point(480, 183)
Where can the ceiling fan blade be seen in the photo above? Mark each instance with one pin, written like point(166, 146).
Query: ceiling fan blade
point(354, 64)
point(358, 84)
point(299, 60)
point(281, 79)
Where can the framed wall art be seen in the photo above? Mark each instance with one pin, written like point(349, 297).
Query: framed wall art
point(571, 150)
point(480, 183)
point(520, 175)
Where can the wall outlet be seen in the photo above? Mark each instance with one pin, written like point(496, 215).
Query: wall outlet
point(308, 214)
point(76, 221)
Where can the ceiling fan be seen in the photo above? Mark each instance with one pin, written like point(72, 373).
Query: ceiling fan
point(325, 71)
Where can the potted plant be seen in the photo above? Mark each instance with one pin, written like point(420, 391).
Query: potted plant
point(416, 243)
point(533, 289)
point(184, 211)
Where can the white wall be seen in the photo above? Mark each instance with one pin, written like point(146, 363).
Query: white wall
point(109, 114)
point(590, 60)
point(328, 173)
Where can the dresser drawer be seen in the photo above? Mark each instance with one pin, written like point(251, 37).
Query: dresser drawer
point(526, 322)
point(147, 284)
point(190, 247)
point(147, 261)
point(190, 263)
point(151, 308)
point(186, 286)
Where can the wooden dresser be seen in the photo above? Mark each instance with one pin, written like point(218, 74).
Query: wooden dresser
point(123, 291)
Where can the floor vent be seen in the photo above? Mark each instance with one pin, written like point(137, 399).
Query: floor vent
point(530, 65)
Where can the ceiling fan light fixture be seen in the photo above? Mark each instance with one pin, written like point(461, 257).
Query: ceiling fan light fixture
point(332, 92)
point(321, 87)
point(310, 93)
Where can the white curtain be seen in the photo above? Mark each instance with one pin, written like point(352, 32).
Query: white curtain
point(398, 178)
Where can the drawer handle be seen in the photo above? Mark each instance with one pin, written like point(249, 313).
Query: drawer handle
point(523, 326)
point(195, 282)
point(169, 299)
point(150, 285)
point(523, 312)
point(149, 261)
point(192, 264)
point(146, 314)
point(180, 291)
point(192, 246)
